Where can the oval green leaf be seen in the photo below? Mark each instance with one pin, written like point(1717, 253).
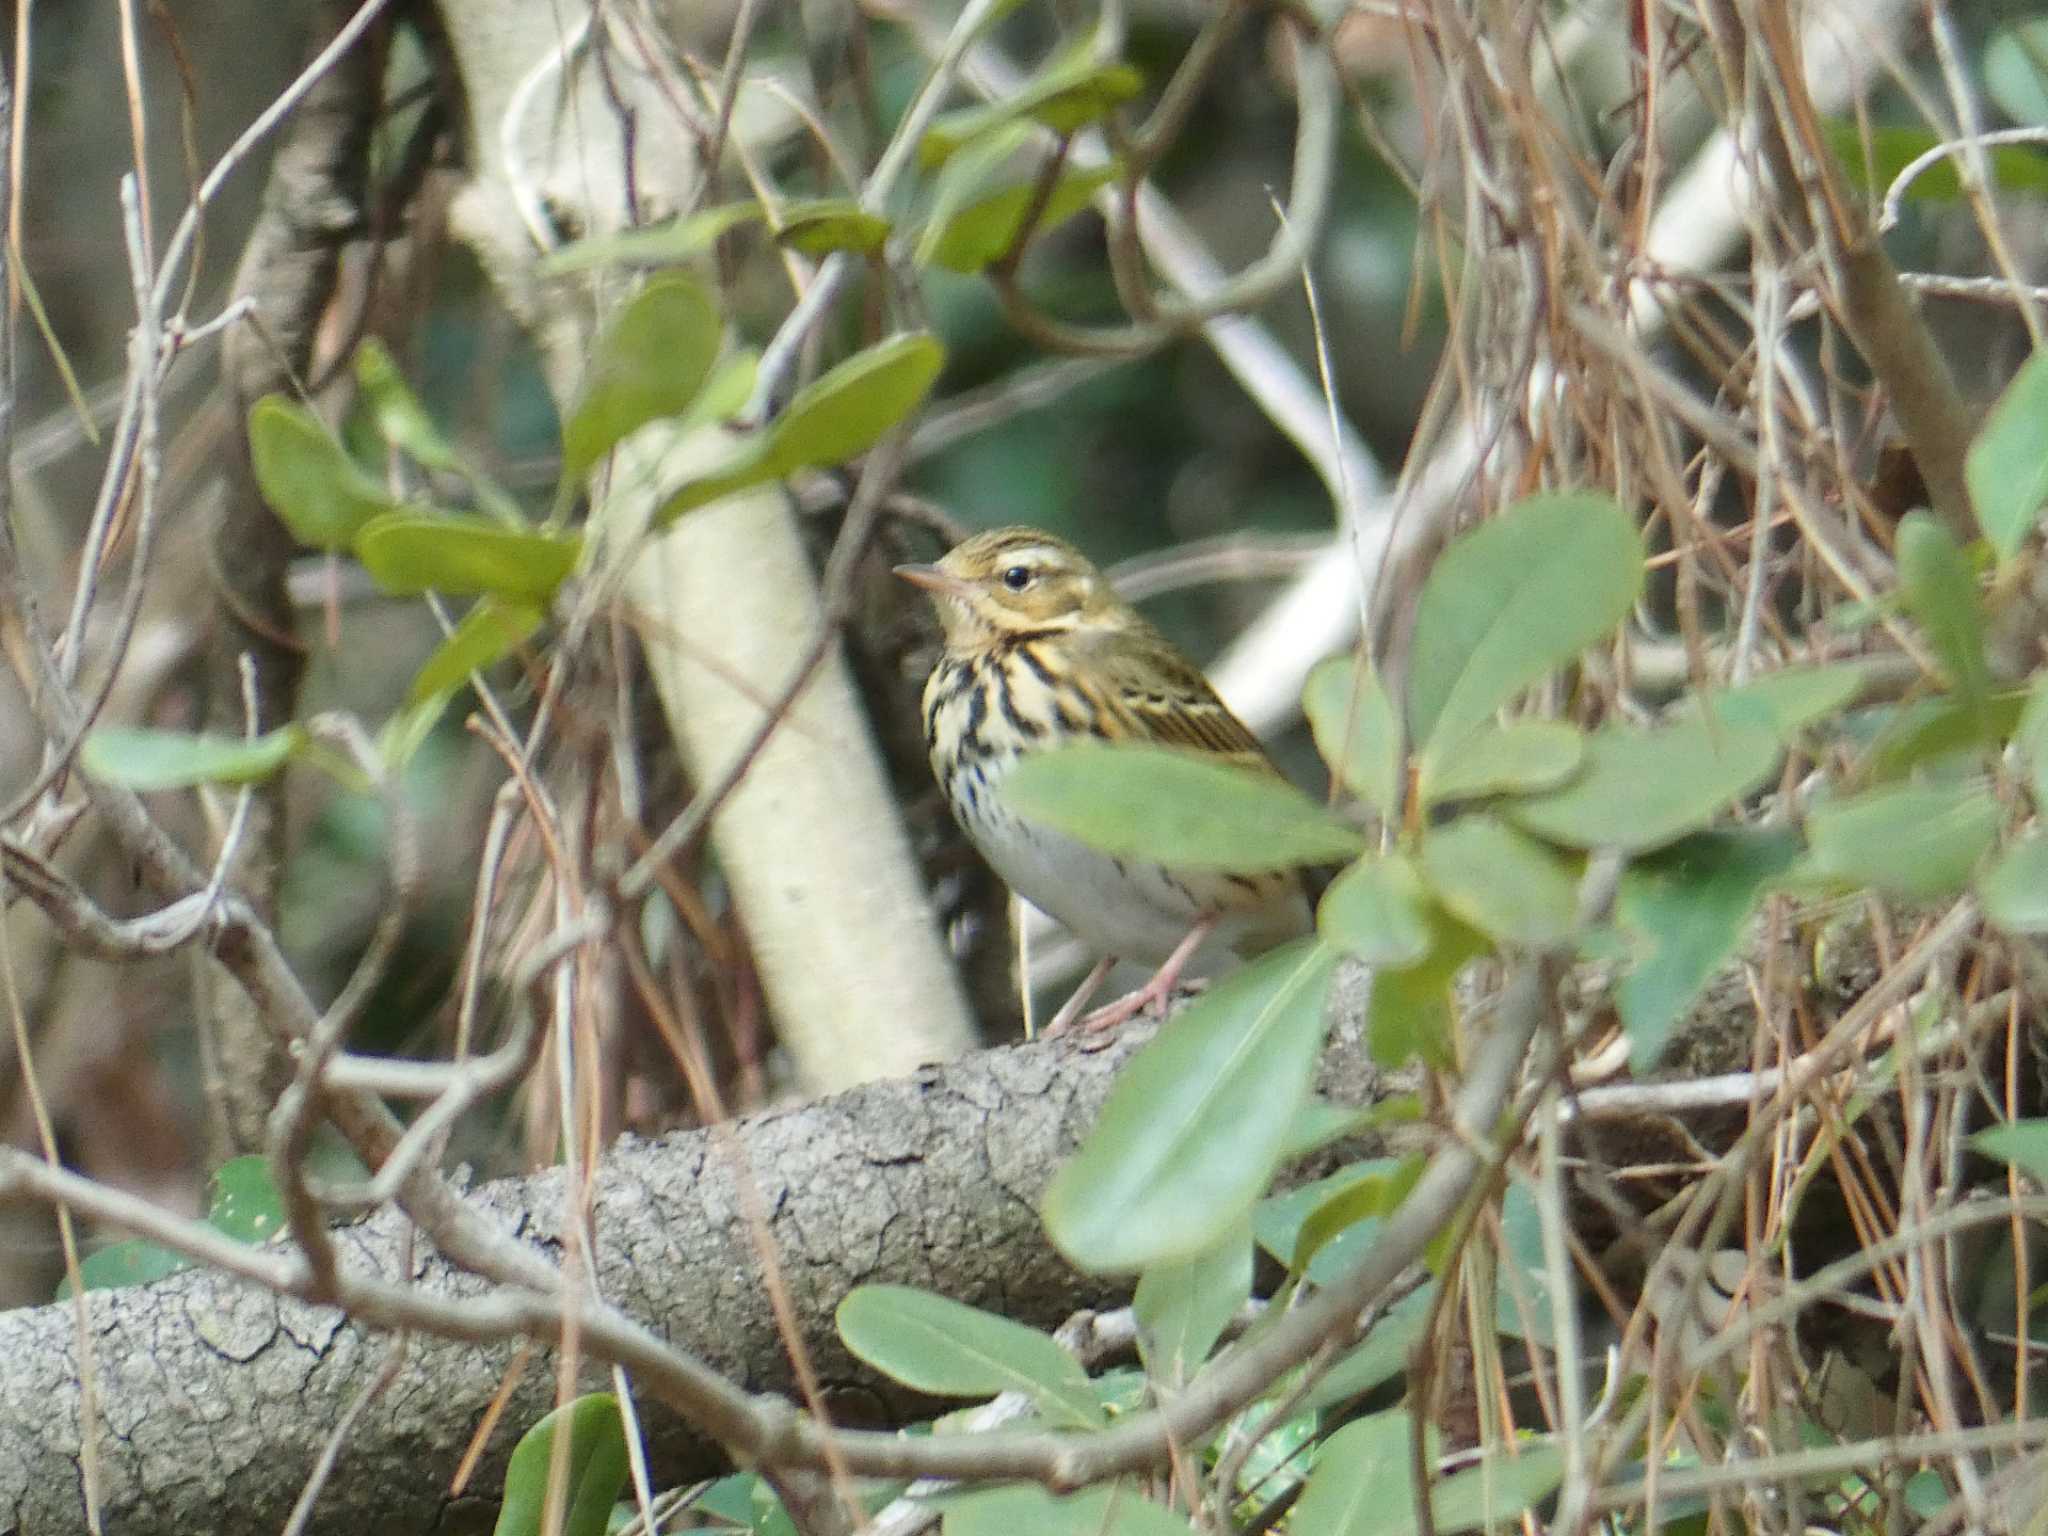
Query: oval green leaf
point(1356, 730)
point(1179, 807)
point(651, 362)
point(1183, 1308)
point(846, 412)
point(1372, 1195)
point(400, 417)
point(2006, 468)
point(488, 633)
point(1510, 602)
point(1377, 911)
point(2015, 889)
point(1923, 731)
point(408, 553)
point(945, 1347)
point(828, 224)
point(1687, 906)
point(984, 230)
point(133, 1261)
point(143, 759)
point(1363, 1481)
point(307, 477)
point(1068, 96)
point(1492, 1495)
point(1909, 839)
point(1521, 757)
point(243, 1201)
point(839, 416)
point(1642, 789)
point(596, 1470)
point(655, 245)
point(1501, 881)
point(1197, 1123)
point(1793, 698)
point(1941, 589)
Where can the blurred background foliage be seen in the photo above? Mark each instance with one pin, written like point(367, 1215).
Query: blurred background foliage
point(1127, 459)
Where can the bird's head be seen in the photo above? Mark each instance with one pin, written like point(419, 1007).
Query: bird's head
point(1014, 581)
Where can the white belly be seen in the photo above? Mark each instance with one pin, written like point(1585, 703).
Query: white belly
point(1124, 907)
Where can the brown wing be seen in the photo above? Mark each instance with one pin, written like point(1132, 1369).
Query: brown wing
point(1162, 697)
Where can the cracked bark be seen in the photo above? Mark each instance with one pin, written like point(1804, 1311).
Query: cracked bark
point(218, 1396)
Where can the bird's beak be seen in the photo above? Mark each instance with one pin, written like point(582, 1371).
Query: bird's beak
point(932, 579)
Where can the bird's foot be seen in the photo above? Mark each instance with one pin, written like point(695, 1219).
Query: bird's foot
point(1151, 998)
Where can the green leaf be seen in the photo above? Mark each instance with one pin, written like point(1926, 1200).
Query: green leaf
point(1894, 146)
point(2016, 71)
point(727, 391)
point(1507, 604)
point(126, 1263)
point(408, 553)
point(651, 362)
point(1356, 730)
point(1363, 1483)
point(1367, 1198)
point(2023, 1143)
point(1115, 1509)
point(401, 420)
point(1941, 589)
point(941, 1346)
point(654, 245)
point(2030, 734)
point(1689, 905)
point(1197, 1123)
point(2015, 889)
point(1521, 757)
point(1067, 97)
point(1380, 1356)
point(2006, 468)
point(244, 1202)
point(1641, 789)
point(841, 415)
point(1183, 1307)
point(846, 412)
point(1793, 698)
point(595, 1467)
point(827, 224)
point(1524, 1307)
point(1174, 805)
point(143, 759)
point(1494, 1493)
point(984, 230)
point(1501, 881)
point(488, 633)
point(1378, 911)
point(1319, 1122)
point(1912, 840)
point(1409, 1012)
point(307, 477)
point(1925, 730)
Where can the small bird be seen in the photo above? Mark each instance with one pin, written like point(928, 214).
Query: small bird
point(1040, 652)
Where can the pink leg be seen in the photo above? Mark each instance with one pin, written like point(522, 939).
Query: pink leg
point(1092, 984)
point(1153, 995)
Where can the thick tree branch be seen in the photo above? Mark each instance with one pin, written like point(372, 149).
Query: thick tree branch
point(218, 1395)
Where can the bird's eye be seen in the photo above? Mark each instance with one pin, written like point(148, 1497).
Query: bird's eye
point(1017, 578)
